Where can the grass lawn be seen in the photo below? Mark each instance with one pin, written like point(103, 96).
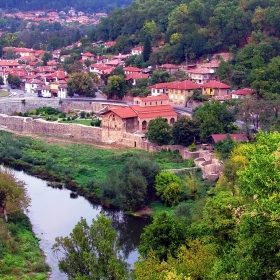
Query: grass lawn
point(4, 93)
point(79, 121)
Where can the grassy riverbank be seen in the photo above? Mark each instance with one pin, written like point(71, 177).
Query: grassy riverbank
point(20, 255)
point(80, 166)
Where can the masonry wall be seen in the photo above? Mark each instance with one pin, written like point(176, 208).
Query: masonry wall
point(29, 125)
point(12, 106)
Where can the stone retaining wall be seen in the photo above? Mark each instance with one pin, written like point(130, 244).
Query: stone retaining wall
point(29, 125)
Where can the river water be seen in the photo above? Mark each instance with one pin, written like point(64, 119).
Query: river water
point(53, 213)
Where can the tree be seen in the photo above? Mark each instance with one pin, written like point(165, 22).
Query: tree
point(185, 131)
point(13, 195)
point(193, 261)
point(14, 81)
point(147, 50)
point(225, 147)
point(133, 186)
point(159, 131)
point(168, 187)
point(214, 117)
point(1, 81)
point(160, 77)
point(91, 252)
point(116, 86)
point(82, 84)
point(164, 236)
point(46, 57)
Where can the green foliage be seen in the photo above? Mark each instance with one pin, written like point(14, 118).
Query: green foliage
point(214, 118)
point(91, 251)
point(225, 147)
point(13, 196)
point(168, 187)
point(82, 84)
point(133, 186)
point(192, 147)
point(116, 86)
point(20, 254)
point(185, 131)
point(164, 236)
point(14, 81)
point(159, 131)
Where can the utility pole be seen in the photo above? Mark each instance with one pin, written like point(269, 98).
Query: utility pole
point(186, 59)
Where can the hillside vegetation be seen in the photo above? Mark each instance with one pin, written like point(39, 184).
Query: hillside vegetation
point(87, 5)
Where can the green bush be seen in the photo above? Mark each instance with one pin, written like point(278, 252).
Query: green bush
point(192, 147)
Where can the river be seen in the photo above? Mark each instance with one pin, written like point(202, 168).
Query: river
point(53, 213)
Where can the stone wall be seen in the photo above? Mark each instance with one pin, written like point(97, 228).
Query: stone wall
point(29, 125)
point(12, 106)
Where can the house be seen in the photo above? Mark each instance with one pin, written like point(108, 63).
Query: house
point(201, 75)
point(131, 70)
point(62, 90)
point(137, 50)
point(179, 92)
point(170, 68)
point(159, 89)
point(133, 77)
point(45, 91)
point(151, 100)
point(109, 44)
point(31, 85)
point(135, 118)
point(215, 88)
point(88, 56)
point(20, 52)
point(242, 93)
point(113, 63)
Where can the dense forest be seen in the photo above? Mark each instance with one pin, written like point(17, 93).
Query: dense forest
point(195, 27)
point(92, 6)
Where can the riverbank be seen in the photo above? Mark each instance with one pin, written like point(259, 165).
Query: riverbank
point(81, 167)
point(20, 255)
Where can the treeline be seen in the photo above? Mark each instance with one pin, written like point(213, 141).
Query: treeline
point(65, 5)
point(194, 27)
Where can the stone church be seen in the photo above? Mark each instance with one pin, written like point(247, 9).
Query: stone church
point(135, 118)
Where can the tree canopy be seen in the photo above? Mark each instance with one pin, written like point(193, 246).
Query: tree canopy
point(91, 251)
point(159, 131)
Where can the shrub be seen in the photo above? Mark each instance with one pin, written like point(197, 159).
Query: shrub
point(192, 147)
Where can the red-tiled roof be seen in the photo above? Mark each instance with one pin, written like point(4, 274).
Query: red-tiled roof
point(237, 137)
point(124, 113)
point(184, 85)
point(132, 69)
point(243, 91)
point(153, 98)
point(9, 63)
point(88, 54)
point(154, 111)
point(215, 84)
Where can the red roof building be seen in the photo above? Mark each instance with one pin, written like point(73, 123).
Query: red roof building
point(135, 118)
point(241, 93)
point(215, 88)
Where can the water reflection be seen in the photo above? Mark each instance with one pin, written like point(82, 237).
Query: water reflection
point(53, 213)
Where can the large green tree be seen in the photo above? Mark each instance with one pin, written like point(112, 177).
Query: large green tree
point(185, 131)
point(164, 236)
point(82, 84)
point(91, 252)
point(159, 131)
point(116, 86)
point(214, 117)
